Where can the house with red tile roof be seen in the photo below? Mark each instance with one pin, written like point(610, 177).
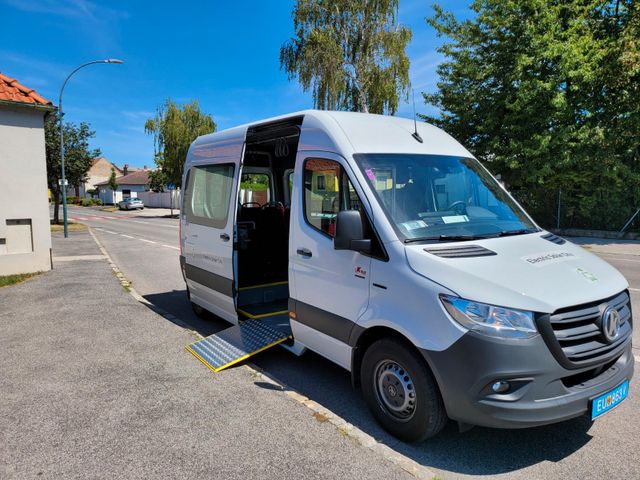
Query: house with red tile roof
point(25, 233)
point(129, 185)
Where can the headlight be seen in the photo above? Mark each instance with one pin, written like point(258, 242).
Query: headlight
point(489, 319)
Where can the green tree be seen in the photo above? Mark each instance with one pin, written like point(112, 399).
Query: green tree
point(350, 53)
point(547, 93)
point(113, 184)
point(173, 129)
point(77, 156)
point(157, 180)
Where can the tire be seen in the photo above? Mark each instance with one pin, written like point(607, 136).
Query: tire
point(400, 391)
point(198, 310)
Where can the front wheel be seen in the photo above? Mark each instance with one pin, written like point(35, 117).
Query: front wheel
point(401, 392)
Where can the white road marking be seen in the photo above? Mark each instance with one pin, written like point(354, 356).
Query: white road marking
point(108, 231)
point(634, 289)
point(145, 240)
point(126, 236)
point(153, 224)
point(171, 246)
point(637, 358)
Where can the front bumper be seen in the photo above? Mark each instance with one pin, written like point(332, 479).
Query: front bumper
point(542, 392)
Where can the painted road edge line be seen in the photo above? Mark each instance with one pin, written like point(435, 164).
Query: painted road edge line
point(342, 426)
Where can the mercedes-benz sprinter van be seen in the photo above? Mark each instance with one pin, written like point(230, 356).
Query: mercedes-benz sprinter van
point(391, 251)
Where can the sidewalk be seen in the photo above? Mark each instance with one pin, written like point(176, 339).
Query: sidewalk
point(95, 385)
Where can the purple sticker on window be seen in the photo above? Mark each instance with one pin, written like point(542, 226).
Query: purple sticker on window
point(370, 174)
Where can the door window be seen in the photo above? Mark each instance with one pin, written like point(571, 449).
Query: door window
point(327, 190)
point(208, 194)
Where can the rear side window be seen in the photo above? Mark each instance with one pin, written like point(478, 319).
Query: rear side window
point(208, 195)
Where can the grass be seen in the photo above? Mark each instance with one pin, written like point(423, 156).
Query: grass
point(13, 279)
point(71, 226)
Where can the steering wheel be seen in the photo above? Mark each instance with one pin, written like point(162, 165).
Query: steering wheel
point(246, 204)
point(458, 207)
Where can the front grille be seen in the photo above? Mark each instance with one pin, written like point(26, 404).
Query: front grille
point(577, 331)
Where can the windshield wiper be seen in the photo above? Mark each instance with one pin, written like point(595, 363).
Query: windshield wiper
point(446, 238)
point(508, 233)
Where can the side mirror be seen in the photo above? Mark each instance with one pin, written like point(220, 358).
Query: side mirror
point(349, 234)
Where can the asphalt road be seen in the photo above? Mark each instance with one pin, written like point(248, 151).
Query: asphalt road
point(146, 250)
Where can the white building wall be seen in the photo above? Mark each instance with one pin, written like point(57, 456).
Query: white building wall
point(110, 197)
point(25, 232)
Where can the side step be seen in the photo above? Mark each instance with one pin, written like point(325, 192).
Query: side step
point(236, 343)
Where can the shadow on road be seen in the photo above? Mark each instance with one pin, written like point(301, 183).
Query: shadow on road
point(481, 451)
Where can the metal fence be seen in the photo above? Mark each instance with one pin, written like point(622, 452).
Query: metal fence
point(597, 209)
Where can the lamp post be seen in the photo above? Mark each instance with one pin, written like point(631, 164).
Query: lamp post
point(63, 179)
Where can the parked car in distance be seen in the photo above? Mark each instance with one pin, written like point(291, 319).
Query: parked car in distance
point(130, 204)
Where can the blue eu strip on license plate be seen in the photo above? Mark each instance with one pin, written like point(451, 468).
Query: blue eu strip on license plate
point(605, 402)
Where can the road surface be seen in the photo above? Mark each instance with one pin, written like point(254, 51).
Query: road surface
point(146, 250)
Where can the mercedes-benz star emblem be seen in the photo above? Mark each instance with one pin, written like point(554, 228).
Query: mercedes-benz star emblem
point(610, 324)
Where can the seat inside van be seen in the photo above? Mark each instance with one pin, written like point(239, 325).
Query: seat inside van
point(263, 219)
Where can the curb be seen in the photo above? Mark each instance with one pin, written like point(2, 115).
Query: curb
point(320, 413)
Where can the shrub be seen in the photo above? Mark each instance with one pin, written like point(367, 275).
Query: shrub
point(88, 202)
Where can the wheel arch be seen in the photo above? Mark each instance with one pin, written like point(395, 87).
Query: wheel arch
point(366, 338)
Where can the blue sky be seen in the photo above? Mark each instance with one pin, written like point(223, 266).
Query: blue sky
point(225, 54)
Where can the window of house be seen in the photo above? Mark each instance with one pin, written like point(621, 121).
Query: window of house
point(327, 190)
point(208, 194)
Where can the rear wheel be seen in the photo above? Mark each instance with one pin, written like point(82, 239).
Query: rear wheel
point(197, 309)
point(401, 392)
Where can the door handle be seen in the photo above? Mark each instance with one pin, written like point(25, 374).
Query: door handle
point(225, 237)
point(304, 252)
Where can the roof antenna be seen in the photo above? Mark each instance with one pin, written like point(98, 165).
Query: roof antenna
point(415, 133)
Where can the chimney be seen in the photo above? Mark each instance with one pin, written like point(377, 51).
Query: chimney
point(125, 169)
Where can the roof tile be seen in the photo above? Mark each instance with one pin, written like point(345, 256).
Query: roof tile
point(13, 91)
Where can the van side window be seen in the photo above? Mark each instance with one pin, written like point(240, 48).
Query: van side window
point(327, 190)
point(208, 194)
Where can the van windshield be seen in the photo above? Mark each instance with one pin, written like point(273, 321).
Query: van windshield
point(442, 198)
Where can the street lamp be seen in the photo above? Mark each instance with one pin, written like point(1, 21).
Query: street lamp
point(63, 179)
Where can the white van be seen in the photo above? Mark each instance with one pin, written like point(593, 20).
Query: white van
point(395, 254)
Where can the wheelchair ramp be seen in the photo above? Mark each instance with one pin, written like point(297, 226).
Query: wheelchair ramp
point(237, 343)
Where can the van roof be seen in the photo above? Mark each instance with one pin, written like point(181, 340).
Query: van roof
point(351, 132)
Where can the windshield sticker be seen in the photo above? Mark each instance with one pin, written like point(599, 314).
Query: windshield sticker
point(588, 276)
point(547, 258)
point(455, 219)
point(370, 174)
point(414, 225)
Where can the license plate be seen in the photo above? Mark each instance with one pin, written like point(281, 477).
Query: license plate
point(607, 401)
